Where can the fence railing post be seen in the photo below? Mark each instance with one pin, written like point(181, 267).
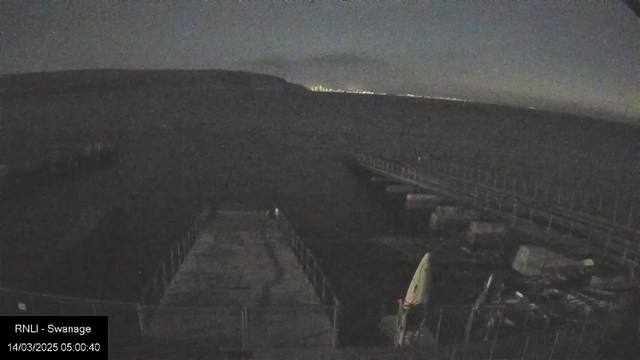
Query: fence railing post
point(546, 196)
point(559, 194)
point(553, 347)
point(141, 320)
point(31, 305)
point(438, 326)
point(180, 253)
point(164, 275)
point(173, 270)
point(243, 328)
point(336, 317)
point(495, 339)
point(324, 289)
point(571, 201)
point(584, 328)
point(600, 207)
point(526, 347)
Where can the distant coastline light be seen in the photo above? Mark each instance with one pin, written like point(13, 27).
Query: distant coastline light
point(351, 90)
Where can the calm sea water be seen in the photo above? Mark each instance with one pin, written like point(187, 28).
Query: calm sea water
point(251, 150)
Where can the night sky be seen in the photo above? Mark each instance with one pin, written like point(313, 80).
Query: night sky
point(577, 56)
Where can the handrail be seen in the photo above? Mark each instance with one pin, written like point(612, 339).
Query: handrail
point(613, 238)
point(67, 298)
point(442, 167)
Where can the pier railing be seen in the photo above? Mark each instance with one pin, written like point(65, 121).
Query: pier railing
point(615, 209)
point(532, 214)
point(126, 319)
point(322, 286)
point(446, 324)
point(165, 273)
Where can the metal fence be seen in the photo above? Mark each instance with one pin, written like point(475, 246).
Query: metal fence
point(495, 331)
point(620, 210)
point(578, 341)
point(322, 286)
point(587, 236)
point(164, 274)
point(124, 320)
